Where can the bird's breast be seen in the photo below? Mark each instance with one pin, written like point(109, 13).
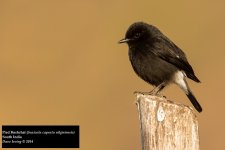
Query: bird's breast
point(151, 68)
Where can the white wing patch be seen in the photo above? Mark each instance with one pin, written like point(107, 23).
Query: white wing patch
point(173, 53)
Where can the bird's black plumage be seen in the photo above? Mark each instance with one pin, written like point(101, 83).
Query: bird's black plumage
point(157, 60)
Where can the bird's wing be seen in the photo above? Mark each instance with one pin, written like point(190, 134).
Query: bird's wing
point(168, 51)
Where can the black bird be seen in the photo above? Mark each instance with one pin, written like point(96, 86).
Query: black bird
point(157, 60)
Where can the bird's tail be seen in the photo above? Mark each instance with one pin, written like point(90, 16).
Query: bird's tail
point(180, 80)
point(194, 101)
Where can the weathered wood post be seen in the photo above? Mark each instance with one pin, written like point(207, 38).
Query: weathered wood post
point(166, 125)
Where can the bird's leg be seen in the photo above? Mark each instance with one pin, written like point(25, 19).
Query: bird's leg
point(157, 89)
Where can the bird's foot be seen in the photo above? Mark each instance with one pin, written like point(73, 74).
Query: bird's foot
point(153, 93)
point(160, 95)
point(143, 93)
point(149, 93)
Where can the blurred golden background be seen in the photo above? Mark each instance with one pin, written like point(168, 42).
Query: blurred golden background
point(60, 64)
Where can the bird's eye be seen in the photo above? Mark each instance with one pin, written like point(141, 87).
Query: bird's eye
point(137, 35)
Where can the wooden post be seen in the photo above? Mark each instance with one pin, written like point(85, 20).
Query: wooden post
point(166, 125)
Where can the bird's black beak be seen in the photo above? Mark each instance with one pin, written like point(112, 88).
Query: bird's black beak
point(123, 41)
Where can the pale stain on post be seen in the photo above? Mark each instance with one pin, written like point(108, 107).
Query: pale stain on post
point(160, 114)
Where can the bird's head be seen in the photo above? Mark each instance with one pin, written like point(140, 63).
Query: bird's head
point(139, 32)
